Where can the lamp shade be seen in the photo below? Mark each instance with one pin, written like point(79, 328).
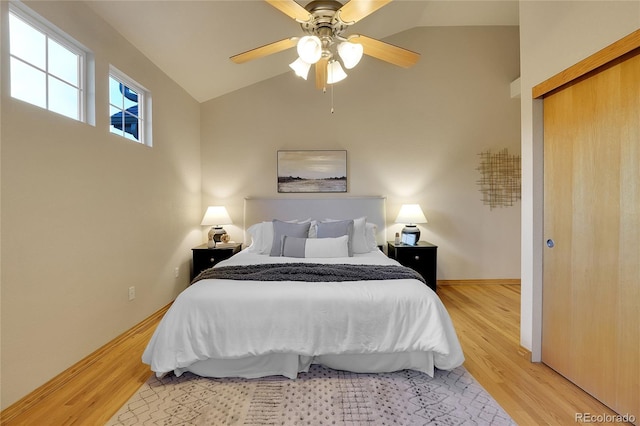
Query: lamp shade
point(351, 53)
point(410, 214)
point(335, 73)
point(301, 68)
point(216, 215)
point(310, 49)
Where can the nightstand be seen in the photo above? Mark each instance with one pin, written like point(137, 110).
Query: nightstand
point(205, 258)
point(423, 258)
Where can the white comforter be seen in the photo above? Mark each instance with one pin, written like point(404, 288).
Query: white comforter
point(227, 319)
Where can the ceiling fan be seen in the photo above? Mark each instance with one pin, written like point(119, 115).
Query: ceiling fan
point(324, 22)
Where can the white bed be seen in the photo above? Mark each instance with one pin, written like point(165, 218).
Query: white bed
point(245, 328)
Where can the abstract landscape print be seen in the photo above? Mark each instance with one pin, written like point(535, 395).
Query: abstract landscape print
point(312, 171)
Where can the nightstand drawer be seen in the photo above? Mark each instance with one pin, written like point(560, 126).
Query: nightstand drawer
point(205, 258)
point(414, 259)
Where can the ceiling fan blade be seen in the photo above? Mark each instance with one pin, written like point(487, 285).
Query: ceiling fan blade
point(355, 10)
point(386, 52)
point(321, 73)
point(291, 9)
point(265, 50)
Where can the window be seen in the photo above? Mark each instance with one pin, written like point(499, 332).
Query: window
point(47, 66)
point(129, 108)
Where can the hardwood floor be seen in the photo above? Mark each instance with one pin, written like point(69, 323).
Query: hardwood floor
point(486, 317)
point(487, 320)
point(91, 391)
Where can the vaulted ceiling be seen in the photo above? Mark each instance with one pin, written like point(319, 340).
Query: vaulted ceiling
point(191, 41)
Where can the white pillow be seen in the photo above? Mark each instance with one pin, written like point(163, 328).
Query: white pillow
point(370, 234)
point(315, 247)
point(313, 229)
point(359, 242)
point(255, 232)
point(261, 237)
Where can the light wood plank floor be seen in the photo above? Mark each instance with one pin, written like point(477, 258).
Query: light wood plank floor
point(486, 318)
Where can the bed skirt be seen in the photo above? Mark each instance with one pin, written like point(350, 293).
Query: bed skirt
point(289, 365)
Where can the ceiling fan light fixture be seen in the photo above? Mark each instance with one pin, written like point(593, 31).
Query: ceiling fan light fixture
point(335, 73)
point(300, 67)
point(351, 53)
point(310, 49)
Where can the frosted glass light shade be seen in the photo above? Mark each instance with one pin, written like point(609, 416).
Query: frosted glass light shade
point(410, 214)
point(335, 73)
point(300, 67)
point(310, 49)
point(216, 215)
point(351, 53)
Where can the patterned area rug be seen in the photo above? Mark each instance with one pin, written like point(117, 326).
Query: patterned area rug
point(320, 397)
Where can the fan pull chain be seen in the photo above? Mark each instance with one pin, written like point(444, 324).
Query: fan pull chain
point(324, 90)
point(332, 98)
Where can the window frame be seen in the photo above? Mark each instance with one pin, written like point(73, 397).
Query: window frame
point(144, 106)
point(85, 64)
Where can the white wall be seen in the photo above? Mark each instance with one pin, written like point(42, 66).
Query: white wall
point(554, 35)
point(86, 214)
point(413, 135)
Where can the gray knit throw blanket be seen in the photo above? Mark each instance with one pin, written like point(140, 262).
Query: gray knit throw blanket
point(312, 272)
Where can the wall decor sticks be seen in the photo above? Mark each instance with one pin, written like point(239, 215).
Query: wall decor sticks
point(500, 178)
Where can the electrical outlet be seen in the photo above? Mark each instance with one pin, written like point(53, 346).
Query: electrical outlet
point(132, 293)
point(176, 272)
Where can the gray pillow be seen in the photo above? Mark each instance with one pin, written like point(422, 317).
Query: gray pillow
point(293, 246)
point(280, 229)
point(337, 229)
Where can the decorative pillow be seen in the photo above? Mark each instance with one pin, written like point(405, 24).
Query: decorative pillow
point(315, 247)
point(359, 241)
point(281, 229)
point(262, 236)
point(336, 229)
point(370, 235)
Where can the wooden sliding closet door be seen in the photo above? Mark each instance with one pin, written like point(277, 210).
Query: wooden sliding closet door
point(591, 273)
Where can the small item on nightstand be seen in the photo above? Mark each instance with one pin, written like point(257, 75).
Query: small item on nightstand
point(211, 243)
point(227, 244)
point(225, 238)
point(397, 240)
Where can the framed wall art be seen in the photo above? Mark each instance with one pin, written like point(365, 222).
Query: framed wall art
point(312, 171)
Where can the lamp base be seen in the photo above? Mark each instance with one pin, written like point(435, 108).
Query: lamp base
point(214, 235)
point(218, 232)
point(410, 234)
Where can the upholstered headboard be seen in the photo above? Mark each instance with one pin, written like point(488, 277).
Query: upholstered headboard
point(265, 209)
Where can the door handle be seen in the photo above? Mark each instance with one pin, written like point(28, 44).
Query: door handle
point(550, 243)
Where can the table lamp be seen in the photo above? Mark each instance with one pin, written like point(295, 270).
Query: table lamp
point(410, 214)
point(215, 216)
